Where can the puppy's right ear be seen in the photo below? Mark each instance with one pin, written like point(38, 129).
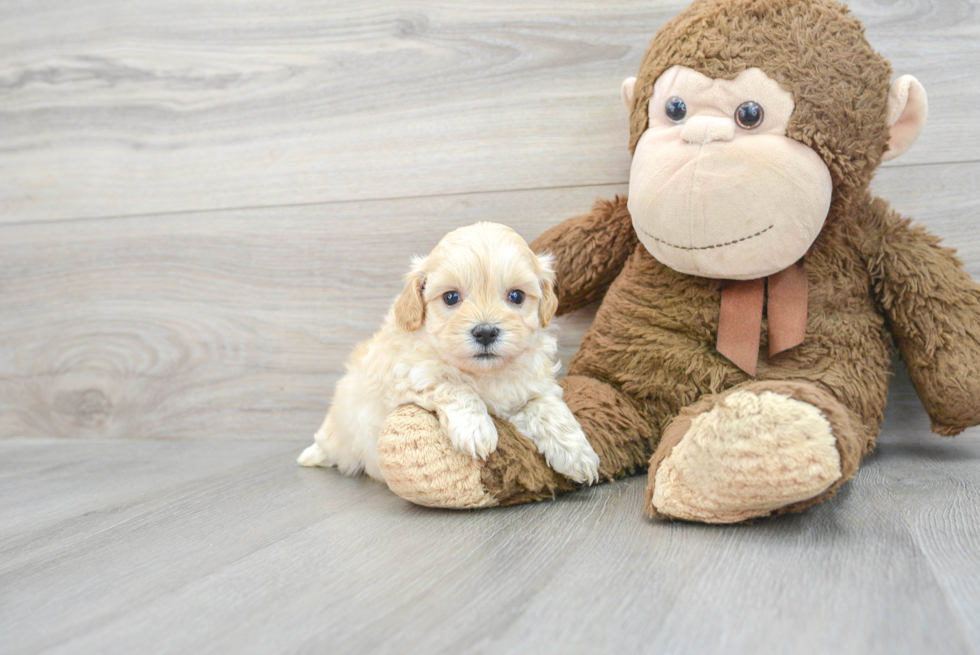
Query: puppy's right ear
point(410, 307)
point(548, 304)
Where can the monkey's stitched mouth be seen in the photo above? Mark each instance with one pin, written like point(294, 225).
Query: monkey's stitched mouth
point(717, 245)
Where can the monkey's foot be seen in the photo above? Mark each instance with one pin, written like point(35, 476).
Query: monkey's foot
point(760, 449)
point(420, 464)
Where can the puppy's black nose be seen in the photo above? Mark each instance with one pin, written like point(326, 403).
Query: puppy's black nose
point(485, 334)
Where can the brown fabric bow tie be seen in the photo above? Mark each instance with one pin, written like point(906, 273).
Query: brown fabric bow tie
point(740, 324)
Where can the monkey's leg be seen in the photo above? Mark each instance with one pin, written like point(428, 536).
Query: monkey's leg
point(759, 449)
point(419, 463)
point(617, 431)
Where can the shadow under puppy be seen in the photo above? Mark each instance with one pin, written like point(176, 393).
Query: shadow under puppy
point(465, 339)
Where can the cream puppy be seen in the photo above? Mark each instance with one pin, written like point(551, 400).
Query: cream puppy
point(465, 339)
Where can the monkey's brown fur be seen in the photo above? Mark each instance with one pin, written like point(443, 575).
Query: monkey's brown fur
point(650, 358)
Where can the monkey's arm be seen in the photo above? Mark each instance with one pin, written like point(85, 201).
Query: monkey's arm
point(933, 308)
point(590, 251)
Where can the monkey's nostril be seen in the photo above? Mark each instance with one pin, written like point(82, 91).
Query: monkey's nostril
point(485, 334)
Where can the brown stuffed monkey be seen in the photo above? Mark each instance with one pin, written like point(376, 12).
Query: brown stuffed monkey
point(751, 285)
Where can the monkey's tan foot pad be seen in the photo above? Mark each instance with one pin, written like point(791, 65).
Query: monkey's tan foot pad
point(745, 454)
point(420, 464)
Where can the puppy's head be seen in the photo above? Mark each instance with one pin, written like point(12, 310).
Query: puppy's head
point(481, 295)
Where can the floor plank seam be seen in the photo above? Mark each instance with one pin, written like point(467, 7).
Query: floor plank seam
point(350, 201)
point(197, 488)
point(323, 203)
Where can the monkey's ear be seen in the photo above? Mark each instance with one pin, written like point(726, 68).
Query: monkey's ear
point(548, 304)
point(410, 306)
point(907, 111)
point(627, 91)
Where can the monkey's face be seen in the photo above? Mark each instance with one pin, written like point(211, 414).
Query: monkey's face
point(717, 189)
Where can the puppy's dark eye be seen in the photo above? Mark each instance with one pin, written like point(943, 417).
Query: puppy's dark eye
point(676, 109)
point(516, 296)
point(749, 115)
point(450, 297)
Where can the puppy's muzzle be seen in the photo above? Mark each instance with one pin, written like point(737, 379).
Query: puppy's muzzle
point(485, 335)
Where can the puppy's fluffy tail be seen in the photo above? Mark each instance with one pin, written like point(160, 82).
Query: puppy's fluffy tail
point(312, 456)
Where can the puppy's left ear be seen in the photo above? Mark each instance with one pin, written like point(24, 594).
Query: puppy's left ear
point(548, 304)
point(410, 306)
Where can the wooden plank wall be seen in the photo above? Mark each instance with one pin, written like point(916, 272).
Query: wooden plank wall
point(204, 205)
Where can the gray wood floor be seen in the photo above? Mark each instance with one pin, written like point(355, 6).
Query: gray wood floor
point(205, 204)
point(122, 546)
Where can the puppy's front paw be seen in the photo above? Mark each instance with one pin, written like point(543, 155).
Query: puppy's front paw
point(558, 436)
point(471, 432)
point(574, 459)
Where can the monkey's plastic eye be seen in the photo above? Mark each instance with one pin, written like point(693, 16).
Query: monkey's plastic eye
point(516, 296)
point(749, 115)
point(676, 109)
point(450, 298)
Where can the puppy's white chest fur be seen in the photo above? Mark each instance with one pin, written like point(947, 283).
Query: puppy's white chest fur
point(507, 392)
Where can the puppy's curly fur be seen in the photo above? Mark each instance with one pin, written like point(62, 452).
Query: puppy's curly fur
point(465, 339)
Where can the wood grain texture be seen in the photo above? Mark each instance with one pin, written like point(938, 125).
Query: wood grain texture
point(111, 108)
point(166, 547)
point(236, 324)
point(227, 325)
